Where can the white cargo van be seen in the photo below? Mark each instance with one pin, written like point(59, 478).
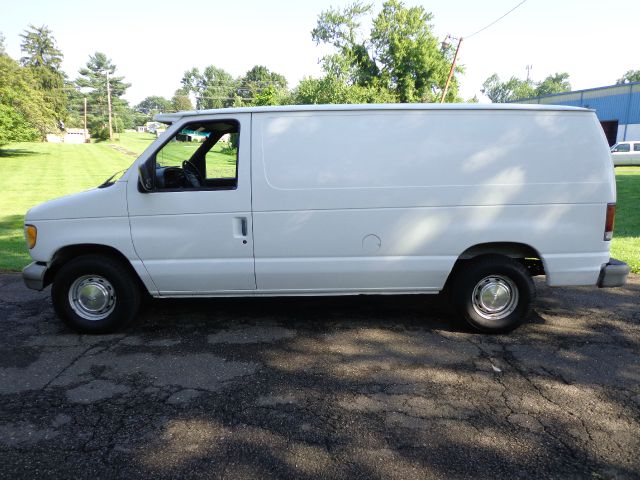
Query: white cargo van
point(339, 200)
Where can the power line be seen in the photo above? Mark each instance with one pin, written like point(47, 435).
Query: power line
point(241, 83)
point(224, 98)
point(495, 21)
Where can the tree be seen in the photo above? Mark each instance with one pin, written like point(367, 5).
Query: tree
point(14, 127)
point(556, 83)
point(43, 58)
point(218, 88)
point(330, 89)
point(154, 104)
point(260, 86)
point(629, 77)
point(93, 80)
point(192, 83)
point(268, 95)
point(25, 114)
point(412, 63)
point(181, 102)
point(127, 117)
point(2, 47)
point(517, 89)
point(145, 110)
point(401, 55)
point(340, 28)
point(94, 76)
point(40, 48)
point(75, 105)
point(213, 88)
point(512, 89)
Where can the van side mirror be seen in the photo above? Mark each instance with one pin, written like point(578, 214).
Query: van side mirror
point(146, 176)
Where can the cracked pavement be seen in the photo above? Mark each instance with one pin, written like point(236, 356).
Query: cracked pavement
point(348, 387)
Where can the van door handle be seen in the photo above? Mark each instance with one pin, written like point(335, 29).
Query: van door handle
point(240, 227)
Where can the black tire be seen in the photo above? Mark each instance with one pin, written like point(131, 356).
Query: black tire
point(116, 288)
point(491, 273)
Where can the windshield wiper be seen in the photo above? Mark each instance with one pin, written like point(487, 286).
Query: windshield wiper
point(108, 182)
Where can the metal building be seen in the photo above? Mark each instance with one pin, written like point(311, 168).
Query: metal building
point(617, 108)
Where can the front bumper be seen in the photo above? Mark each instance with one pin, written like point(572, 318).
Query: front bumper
point(613, 274)
point(33, 275)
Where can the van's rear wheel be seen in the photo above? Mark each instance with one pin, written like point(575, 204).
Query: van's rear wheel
point(493, 293)
point(95, 294)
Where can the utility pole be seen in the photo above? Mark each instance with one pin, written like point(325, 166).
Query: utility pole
point(85, 120)
point(109, 105)
point(453, 65)
point(529, 68)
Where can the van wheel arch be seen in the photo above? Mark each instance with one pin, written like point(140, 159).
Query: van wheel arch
point(523, 253)
point(69, 252)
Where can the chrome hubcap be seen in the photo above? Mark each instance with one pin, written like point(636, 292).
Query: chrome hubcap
point(92, 297)
point(495, 297)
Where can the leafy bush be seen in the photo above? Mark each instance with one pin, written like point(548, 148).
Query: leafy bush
point(14, 127)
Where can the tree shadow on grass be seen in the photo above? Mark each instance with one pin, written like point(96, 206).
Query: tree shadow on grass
point(19, 152)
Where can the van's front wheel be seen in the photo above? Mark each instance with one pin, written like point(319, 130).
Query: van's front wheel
point(493, 293)
point(95, 294)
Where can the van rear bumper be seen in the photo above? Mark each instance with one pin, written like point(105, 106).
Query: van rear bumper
point(33, 275)
point(613, 274)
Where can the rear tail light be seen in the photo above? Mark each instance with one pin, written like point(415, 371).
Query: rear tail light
point(608, 224)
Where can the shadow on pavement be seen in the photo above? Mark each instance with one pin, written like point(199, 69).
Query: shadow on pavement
point(325, 387)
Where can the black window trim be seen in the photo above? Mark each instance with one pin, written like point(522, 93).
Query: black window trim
point(152, 158)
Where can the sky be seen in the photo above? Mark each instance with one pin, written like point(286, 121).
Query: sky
point(154, 42)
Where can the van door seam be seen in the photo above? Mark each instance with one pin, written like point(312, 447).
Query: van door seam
point(133, 244)
point(253, 237)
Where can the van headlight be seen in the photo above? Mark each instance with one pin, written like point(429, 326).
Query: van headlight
point(30, 235)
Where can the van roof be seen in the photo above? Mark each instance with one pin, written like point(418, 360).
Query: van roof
point(172, 117)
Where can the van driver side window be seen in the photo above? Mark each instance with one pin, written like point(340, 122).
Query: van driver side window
point(202, 156)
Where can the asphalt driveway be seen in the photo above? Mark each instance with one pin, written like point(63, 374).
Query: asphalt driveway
point(365, 387)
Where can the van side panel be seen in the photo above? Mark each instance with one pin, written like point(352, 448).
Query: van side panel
point(434, 158)
point(331, 249)
point(387, 200)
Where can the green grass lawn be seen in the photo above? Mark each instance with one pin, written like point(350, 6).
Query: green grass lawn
point(220, 164)
point(626, 236)
point(35, 172)
point(136, 142)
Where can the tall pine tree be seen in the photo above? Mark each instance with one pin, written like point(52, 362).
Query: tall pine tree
point(93, 81)
point(44, 59)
